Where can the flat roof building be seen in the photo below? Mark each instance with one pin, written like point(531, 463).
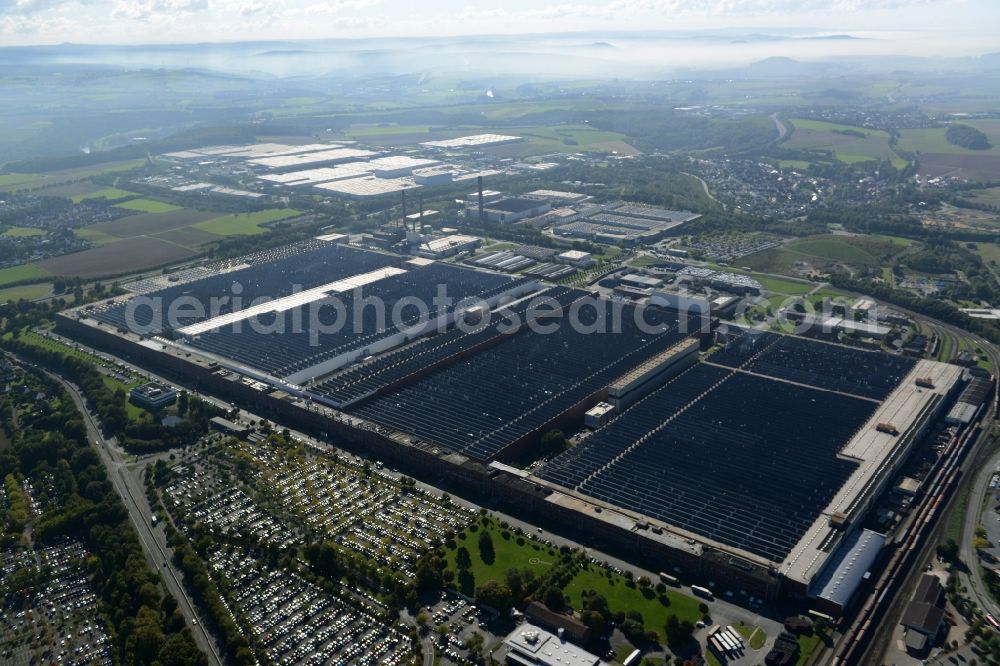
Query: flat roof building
point(530, 645)
point(153, 395)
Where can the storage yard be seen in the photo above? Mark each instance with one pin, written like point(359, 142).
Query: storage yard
point(759, 493)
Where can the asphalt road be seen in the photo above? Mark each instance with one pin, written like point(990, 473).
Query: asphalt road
point(153, 540)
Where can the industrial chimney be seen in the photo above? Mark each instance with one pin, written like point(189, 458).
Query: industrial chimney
point(479, 181)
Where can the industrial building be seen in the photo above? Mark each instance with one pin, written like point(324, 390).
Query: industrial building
point(756, 465)
point(473, 141)
point(530, 645)
point(623, 223)
point(153, 396)
point(508, 210)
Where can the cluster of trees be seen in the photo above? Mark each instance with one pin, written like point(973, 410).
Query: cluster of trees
point(107, 403)
point(144, 622)
point(209, 599)
point(966, 136)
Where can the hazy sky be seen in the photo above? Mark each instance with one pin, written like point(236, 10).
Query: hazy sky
point(917, 26)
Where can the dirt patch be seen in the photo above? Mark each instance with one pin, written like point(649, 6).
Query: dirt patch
point(126, 256)
point(619, 147)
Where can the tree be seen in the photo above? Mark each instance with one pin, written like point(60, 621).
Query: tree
point(486, 552)
point(462, 558)
point(947, 550)
point(554, 441)
point(495, 595)
point(678, 632)
point(554, 599)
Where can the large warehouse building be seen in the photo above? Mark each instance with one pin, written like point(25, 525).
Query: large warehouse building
point(754, 466)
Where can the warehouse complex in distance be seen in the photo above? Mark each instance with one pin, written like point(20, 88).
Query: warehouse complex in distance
point(753, 468)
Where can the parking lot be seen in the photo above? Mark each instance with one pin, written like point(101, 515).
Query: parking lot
point(298, 623)
point(341, 499)
point(56, 621)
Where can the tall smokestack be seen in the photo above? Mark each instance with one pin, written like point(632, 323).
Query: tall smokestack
point(420, 201)
point(403, 192)
point(479, 182)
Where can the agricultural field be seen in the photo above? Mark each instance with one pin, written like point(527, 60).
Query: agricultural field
point(147, 206)
point(848, 144)
point(117, 258)
point(22, 273)
point(10, 182)
point(243, 224)
point(23, 232)
point(109, 193)
point(938, 157)
point(989, 252)
point(989, 196)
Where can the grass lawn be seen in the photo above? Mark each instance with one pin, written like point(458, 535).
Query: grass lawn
point(109, 193)
point(29, 292)
point(834, 249)
point(787, 287)
point(755, 636)
point(621, 597)
point(148, 206)
point(509, 554)
point(23, 232)
point(243, 224)
point(22, 272)
point(808, 646)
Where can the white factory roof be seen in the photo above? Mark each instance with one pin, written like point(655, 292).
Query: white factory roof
point(530, 644)
point(306, 159)
point(256, 150)
point(368, 186)
point(321, 175)
point(285, 303)
point(574, 255)
point(390, 162)
point(848, 567)
point(872, 450)
point(472, 141)
point(982, 313)
point(446, 242)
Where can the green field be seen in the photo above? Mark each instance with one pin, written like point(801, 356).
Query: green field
point(95, 236)
point(244, 224)
point(847, 143)
point(109, 193)
point(828, 252)
point(623, 597)
point(989, 196)
point(932, 139)
point(990, 252)
point(148, 206)
point(529, 554)
point(28, 292)
point(786, 287)
point(20, 273)
point(23, 232)
point(16, 181)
